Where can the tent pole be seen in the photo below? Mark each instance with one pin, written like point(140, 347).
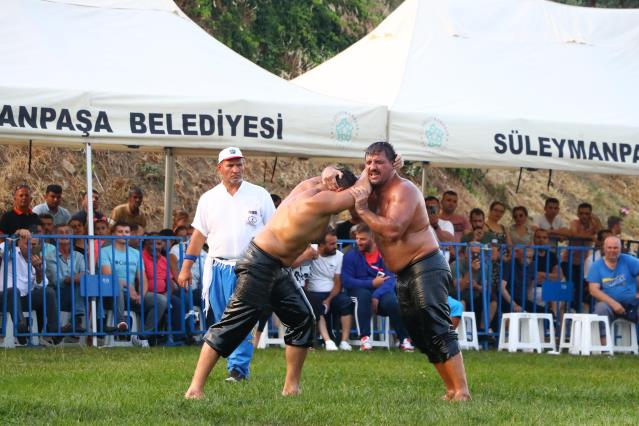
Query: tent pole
point(89, 164)
point(169, 177)
point(424, 185)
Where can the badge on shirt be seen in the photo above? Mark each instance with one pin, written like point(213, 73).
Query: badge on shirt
point(252, 218)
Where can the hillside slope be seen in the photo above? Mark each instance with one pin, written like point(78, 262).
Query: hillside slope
point(115, 172)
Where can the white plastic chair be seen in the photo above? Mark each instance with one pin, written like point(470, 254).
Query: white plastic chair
point(584, 337)
point(624, 337)
point(520, 331)
point(467, 332)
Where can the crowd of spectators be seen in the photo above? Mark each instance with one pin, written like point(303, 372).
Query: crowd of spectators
point(497, 266)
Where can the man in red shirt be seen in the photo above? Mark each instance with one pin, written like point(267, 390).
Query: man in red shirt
point(21, 216)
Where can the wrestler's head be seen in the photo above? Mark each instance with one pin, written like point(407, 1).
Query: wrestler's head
point(379, 159)
point(346, 180)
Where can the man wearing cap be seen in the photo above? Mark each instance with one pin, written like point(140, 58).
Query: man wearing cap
point(227, 218)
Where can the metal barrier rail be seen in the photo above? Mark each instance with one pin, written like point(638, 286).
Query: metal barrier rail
point(55, 284)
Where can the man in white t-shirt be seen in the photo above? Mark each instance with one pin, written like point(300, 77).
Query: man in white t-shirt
point(550, 220)
point(227, 218)
point(324, 289)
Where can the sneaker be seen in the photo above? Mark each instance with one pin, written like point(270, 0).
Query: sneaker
point(49, 341)
point(136, 341)
point(344, 346)
point(407, 346)
point(365, 344)
point(22, 328)
point(330, 346)
point(235, 377)
point(122, 326)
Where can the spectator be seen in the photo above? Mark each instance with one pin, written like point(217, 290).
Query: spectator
point(277, 200)
point(546, 263)
point(459, 221)
point(365, 277)
point(614, 224)
point(21, 216)
point(136, 231)
point(82, 215)
point(519, 279)
point(613, 283)
point(324, 288)
point(176, 257)
point(180, 218)
point(583, 231)
point(51, 205)
point(78, 227)
point(551, 221)
point(130, 212)
point(470, 274)
point(444, 230)
point(28, 282)
point(123, 261)
point(63, 268)
point(161, 290)
point(597, 250)
point(477, 220)
point(499, 231)
point(521, 233)
point(227, 218)
point(46, 220)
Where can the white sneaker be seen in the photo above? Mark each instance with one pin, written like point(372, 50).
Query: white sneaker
point(407, 346)
point(365, 344)
point(330, 345)
point(344, 346)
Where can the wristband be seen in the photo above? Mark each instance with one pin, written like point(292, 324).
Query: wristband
point(190, 257)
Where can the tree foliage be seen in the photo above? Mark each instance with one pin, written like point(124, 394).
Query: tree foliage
point(288, 37)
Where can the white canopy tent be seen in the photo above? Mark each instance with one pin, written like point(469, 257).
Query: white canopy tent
point(140, 73)
point(500, 83)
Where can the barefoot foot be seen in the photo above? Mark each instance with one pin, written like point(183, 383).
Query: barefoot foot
point(461, 396)
point(193, 394)
point(291, 391)
point(450, 394)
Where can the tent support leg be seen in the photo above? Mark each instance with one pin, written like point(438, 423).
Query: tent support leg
point(169, 178)
point(89, 160)
point(424, 185)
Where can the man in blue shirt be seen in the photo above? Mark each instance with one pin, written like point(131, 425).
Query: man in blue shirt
point(365, 277)
point(613, 282)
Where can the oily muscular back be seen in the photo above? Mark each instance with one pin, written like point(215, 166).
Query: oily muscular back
point(296, 223)
point(418, 239)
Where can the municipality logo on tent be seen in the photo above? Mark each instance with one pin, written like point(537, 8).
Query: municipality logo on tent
point(345, 127)
point(435, 133)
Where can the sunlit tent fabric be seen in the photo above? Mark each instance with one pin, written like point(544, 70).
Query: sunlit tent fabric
point(141, 73)
point(506, 83)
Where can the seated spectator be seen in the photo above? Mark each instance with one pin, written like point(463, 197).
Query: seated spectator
point(477, 220)
point(20, 216)
point(583, 231)
point(444, 230)
point(614, 225)
point(63, 269)
point(521, 232)
point(176, 257)
point(161, 289)
point(82, 215)
point(123, 261)
point(472, 279)
point(28, 282)
point(551, 221)
point(613, 283)
point(324, 289)
point(546, 264)
point(136, 231)
point(78, 227)
point(365, 277)
point(130, 212)
point(180, 218)
point(597, 249)
point(456, 311)
point(46, 220)
point(51, 205)
point(461, 225)
point(520, 280)
point(499, 231)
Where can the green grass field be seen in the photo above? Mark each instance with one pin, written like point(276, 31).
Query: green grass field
point(135, 386)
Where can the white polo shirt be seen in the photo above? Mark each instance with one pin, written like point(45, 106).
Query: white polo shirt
point(323, 271)
point(229, 222)
point(446, 225)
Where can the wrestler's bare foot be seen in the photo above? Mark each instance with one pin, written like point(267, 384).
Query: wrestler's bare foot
point(460, 396)
point(291, 391)
point(193, 394)
point(450, 394)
